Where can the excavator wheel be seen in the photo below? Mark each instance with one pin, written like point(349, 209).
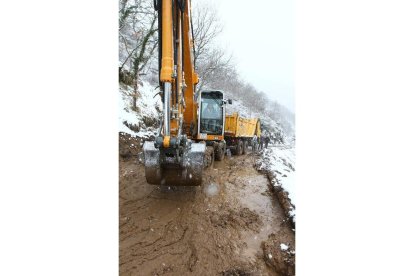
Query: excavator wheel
point(220, 151)
point(209, 157)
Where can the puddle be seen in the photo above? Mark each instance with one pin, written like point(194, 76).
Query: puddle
point(244, 185)
point(211, 189)
point(258, 199)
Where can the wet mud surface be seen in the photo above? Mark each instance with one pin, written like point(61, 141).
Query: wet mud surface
point(226, 226)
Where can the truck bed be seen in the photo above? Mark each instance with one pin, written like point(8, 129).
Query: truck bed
point(237, 126)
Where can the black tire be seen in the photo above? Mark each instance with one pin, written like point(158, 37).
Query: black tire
point(209, 157)
point(212, 158)
point(239, 147)
point(220, 152)
point(244, 148)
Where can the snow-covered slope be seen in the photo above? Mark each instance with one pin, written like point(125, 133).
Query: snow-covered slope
point(275, 129)
point(279, 163)
point(141, 123)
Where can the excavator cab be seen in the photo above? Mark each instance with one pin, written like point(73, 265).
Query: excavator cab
point(212, 114)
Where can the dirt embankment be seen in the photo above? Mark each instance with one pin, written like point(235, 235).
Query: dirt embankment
point(276, 188)
point(227, 226)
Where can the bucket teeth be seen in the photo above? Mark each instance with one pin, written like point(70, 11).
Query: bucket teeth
point(186, 173)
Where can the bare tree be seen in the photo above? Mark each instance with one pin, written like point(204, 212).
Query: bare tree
point(137, 41)
point(207, 27)
point(212, 67)
point(210, 60)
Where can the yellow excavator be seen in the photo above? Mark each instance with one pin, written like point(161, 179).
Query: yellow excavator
point(191, 133)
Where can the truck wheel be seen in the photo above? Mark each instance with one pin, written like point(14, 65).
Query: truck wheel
point(239, 147)
point(220, 151)
point(244, 147)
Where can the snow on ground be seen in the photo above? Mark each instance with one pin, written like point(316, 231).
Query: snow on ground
point(284, 247)
point(279, 160)
point(148, 108)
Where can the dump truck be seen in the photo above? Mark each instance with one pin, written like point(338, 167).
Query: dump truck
point(239, 133)
point(191, 133)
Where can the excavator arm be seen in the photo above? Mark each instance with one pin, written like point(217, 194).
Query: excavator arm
point(175, 158)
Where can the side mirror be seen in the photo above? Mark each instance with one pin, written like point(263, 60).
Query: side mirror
point(229, 101)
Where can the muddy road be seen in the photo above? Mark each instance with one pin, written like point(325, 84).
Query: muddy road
point(223, 227)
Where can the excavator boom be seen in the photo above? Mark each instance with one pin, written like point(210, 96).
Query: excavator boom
point(175, 157)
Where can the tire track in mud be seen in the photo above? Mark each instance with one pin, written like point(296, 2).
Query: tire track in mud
point(214, 229)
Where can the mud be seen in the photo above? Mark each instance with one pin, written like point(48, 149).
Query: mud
point(218, 228)
point(129, 147)
point(281, 260)
point(282, 195)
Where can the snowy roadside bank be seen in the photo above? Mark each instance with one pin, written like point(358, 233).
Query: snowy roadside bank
point(143, 121)
point(278, 163)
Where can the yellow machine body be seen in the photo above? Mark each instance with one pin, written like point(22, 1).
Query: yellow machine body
point(175, 157)
point(237, 126)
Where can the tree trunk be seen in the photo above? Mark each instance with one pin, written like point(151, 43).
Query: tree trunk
point(135, 93)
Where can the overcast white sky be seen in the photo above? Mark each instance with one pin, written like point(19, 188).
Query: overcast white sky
point(260, 36)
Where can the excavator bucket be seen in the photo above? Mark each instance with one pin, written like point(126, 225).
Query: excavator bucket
point(161, 169)
point(152, 163)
